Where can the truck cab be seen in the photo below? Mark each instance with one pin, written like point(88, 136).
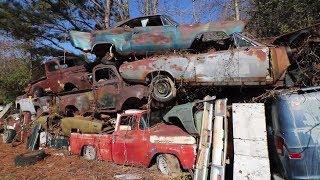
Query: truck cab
point(140, 138)
point(112, 94)
point(61, 76)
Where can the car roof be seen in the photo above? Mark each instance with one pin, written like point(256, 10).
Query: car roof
point(124, 21)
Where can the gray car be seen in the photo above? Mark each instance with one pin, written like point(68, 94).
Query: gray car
point(296, 133)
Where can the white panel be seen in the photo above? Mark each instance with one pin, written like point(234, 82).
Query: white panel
point(249, 121)
point(251, 160)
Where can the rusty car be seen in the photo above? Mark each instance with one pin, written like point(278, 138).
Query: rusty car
point(235, 61)
point(150, 34)
point(139, 141)
point(109, 94)
point(61, 75)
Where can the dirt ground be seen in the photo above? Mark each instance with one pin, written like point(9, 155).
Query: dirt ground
point(60, 165)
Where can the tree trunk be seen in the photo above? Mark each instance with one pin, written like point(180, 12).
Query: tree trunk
point(107, 12)
point(155, 6)
point(236, 9)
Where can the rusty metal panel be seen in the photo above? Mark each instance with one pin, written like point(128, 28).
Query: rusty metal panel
point(82, 101)
point(280, 62)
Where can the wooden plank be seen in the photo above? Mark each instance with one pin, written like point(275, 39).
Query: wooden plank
point(202, 164)
point(251, 159)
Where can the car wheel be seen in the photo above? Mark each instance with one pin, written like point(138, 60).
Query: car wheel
point(168, 164)
point(29, 158)
point(8, 135)
point(163, 88)
point(89, 153)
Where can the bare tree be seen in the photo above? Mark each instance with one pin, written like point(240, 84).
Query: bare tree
point(148, 7)
point(236, 9)
point(107, 13)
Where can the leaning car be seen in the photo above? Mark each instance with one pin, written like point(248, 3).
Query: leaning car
point(233, 61)
point(150, 34)
point(295, 133)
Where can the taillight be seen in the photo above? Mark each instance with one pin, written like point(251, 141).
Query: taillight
point(279, 141)
point(280, 145)
point(295, 155)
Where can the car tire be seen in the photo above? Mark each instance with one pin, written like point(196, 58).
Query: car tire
point(89, 153)
point(163, 88)
point(8, 136)
point(29, 158)
point(168, 164)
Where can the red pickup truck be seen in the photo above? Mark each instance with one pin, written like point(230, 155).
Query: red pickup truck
point(139, 140)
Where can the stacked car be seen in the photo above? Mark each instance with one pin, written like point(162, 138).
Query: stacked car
point(127, 108)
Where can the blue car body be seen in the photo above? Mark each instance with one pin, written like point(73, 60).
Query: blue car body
point(296, 131)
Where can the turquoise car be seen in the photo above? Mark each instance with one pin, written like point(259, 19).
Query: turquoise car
point(149, 34)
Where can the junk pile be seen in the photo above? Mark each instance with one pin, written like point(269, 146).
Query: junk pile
point(128, 107)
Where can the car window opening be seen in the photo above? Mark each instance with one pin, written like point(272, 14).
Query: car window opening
point(104, 74)
point(127, 123)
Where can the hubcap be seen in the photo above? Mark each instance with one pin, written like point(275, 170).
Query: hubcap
point(162, 88)
point(89, 153)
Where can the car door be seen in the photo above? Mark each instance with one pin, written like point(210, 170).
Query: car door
point(120, 151)
point(152, 36)
point(253, 61)
point(53, 77)
point(216, 68)
point(106, 87)
point(137, 141)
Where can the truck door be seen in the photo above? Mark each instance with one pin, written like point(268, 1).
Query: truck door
point(137, 141)
point(125, 124)
point(53, 76)
point(106, 87)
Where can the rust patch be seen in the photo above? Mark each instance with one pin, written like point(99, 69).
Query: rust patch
point(176, 67)
point(155, 38)
point(262, 56)
point(280, 62)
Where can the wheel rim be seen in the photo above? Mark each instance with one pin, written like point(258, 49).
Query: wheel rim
point(162, 88)
point(162, 165)
point(89, 153)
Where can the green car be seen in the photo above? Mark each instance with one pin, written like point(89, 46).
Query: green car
point(150, 34)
